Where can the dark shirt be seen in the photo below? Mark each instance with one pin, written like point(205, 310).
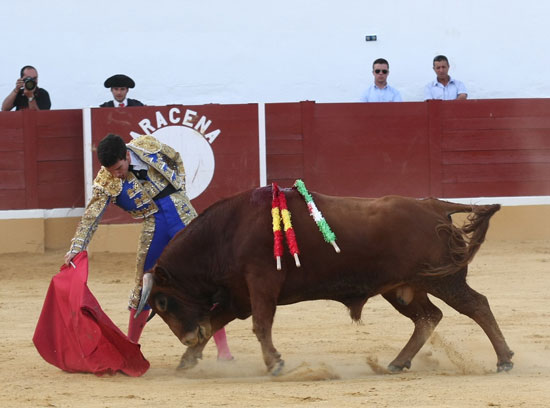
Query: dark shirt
point(140, 174)
point(42, 98)
point(111, 104)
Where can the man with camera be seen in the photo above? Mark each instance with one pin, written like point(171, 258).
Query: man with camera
point(27, 94)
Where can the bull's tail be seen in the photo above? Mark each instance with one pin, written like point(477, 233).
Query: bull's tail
point(463, 242)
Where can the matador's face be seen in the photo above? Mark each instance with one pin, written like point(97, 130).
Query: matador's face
point(120, 168)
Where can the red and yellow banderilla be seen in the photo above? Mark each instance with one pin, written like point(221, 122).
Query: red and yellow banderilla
point(279, 210)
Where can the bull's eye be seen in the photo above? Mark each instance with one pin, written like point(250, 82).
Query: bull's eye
point(161, 302)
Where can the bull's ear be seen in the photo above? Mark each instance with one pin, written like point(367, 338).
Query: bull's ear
point(162, 276)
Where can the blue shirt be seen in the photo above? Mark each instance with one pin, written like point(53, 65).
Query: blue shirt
point(436, 90)
point(386, 94)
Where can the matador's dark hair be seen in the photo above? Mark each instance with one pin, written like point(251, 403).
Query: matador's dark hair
point(110, 150)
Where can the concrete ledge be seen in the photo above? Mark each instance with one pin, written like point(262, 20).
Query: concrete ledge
point(58, 232)
point(27, 235)
point(115, 238)
point(35, 235)
point(521, 223)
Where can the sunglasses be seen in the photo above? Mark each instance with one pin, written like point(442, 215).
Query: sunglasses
point(384, 71)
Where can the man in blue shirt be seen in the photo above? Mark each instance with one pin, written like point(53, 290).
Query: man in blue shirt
point(380, 91)
point(444, 87)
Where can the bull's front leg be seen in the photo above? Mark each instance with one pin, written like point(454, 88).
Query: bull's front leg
point(191, 356)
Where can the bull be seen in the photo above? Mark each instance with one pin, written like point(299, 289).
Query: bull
point(221, 268)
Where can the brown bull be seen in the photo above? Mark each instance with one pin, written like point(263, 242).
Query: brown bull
point(221, 267)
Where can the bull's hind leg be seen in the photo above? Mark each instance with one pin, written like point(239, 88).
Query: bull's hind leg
point(454, 291)
point(262, 322)
point(425, 316)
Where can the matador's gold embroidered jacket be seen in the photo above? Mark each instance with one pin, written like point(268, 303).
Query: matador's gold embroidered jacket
point(165, 167)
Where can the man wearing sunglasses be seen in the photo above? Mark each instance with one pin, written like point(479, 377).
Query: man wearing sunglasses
point(380, 91)
point(444, 87)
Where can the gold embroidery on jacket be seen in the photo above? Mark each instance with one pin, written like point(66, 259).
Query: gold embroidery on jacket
point(156, 184)
point(184, 208)
point(166, 161)
point(144, 212)
point(145, 239)
point(142, 201)
point(146, 143)
point(136, 185)
point(90, 219)
point(105, 181)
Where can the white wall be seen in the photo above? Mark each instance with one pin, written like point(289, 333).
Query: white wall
point(240, 51)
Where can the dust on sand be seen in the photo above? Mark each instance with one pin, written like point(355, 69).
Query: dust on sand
point(329, 361)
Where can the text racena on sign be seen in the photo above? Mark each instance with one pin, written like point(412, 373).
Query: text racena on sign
point(188, 119)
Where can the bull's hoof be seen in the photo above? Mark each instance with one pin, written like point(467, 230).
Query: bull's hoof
point(277, 368)
point(186, 364)
point(504, 367)
point(394, 368)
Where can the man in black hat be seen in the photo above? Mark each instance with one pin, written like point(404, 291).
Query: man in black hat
point(119, 85)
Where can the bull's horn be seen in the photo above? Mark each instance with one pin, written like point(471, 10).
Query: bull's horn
point(153, 313)
point(145, 292)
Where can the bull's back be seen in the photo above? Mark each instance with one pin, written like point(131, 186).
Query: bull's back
point(379, 242)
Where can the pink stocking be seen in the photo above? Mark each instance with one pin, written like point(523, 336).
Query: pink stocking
point(135, 326)
point(221, 343)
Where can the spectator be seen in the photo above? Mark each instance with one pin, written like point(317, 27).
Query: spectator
point(444, 87)
point(27, 94)
point(120, 84)
point(380, 91)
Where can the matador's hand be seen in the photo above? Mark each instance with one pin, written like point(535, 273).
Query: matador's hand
point(69, 257)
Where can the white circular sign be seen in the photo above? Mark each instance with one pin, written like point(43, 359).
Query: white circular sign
point(196, 154)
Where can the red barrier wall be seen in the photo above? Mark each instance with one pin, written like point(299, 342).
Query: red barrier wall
point(351, 149)
point(494, 147)
point(41, 159)
point(451, 149)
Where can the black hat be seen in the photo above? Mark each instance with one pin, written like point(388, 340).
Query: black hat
point(119, 81)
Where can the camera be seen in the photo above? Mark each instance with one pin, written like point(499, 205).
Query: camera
point(30, 83)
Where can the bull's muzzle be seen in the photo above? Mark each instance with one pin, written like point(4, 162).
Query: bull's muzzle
point(201, 334)
point(190, 339)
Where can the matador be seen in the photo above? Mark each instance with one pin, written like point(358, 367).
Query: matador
point(146, 178)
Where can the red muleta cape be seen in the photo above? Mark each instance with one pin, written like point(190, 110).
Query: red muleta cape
point(74, 334)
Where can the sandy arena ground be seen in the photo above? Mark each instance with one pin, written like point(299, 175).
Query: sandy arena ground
point(330, 361)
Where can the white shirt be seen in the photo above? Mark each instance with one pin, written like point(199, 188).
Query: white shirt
point(386, 94)
point(137, 162)
point(117, 103)
point(436, 90)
